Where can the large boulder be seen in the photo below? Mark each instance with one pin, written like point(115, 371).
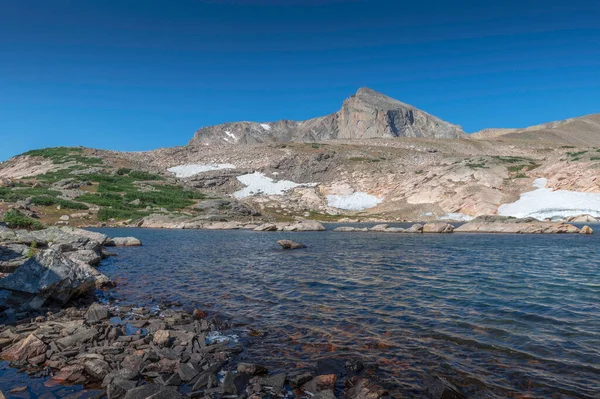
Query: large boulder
point(586, 230)
point(12, 256)
point(515, 226)
point(48, 276)
point(439, 227)
point(123, 242)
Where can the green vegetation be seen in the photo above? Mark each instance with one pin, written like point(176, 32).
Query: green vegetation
point(567, 146)
point(476, 165)
point(16, 220)
point(363, 159)
point(324, 216)
point(521, 176)
point(594, 158)
point(31, 251)
point(105, 214)
point(48, 201)
point(60, 155)
point(527, 168)
point(316, 145)
point(19, 194)
point(510, 159)
point(576, 156)
point(123, 171)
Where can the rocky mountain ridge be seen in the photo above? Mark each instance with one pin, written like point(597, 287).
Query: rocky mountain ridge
point(367, 114)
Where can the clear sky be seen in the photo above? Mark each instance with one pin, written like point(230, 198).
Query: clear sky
point(137, 75)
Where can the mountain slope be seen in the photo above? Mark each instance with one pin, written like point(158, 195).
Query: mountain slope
point(367, 114)
point(582, 131)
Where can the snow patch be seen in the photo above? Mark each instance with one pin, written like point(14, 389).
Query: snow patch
point(257, 183)
point(357, 201)
point(461, 217)
point(265, 126)
point(545, 203)
point(194, 169)
point(233, 136)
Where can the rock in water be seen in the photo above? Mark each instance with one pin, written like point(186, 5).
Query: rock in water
point(289, 244)
point(586, 230)
point(123, 242)
point(29, 348)
point(439, 227)
point(48, 276)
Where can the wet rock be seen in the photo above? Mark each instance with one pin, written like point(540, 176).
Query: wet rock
point(251, 368)
point(96, 313)
point(298, 379)
point(73, 374)
point(122, 374)
point(361, 388)
point(320, 383)
point(266, 227)
point(439, 388)
point(228, 386)
point(289, 244)
point(415, 228)
point(28, 348)
point(275, 382)
point(123, 242)
point(586, 230)
point(328, 394)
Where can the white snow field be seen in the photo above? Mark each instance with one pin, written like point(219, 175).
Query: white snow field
point(544, 203)
point(194, 169)
point(460, 217)
point(265, 126)
point(357, 201)
point(258, 183)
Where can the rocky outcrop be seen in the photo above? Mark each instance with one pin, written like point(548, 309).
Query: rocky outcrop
point(500, 224)
point(48, 277)
point(304, 225)
point(581, 219)
point(586, 230)
point(367, 114)
point(439, 227)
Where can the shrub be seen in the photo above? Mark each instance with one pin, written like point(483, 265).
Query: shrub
point(16, 220)
point(119, 214)
point(47, 201)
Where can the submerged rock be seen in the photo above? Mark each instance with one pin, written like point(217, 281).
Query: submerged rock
point(289, 244)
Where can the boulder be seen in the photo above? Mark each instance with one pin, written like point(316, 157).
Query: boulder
point(88, 256)
point(304, 225)
point(439, 227)
point(516, 226)
point(415, 228)
point(348, 229)
point(96, 313)
point(267, 227)
point(289, 244)
point(439, 388)
point(224, 226)
point(361, 388)
point(12, 256)
point(586, 230)
point(123, 242)
point(379, 227)
point(251, 368)
point(320, 383)
point(49, 276)
point(26, 349)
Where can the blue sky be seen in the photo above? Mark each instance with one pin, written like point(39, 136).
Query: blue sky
point(138, 75)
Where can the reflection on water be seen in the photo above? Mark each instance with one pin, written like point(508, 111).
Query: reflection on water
point(517, 314)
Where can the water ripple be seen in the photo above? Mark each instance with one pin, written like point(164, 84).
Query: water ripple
point(517, 316)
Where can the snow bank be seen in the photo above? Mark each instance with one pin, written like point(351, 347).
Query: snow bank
point(258, 183)
point(357, 201)
point(544, 203)
point(194, 169)
point(265, 126)
point(461, 217)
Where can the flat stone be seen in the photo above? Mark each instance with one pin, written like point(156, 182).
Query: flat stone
point(186, 371)
point(96, 313)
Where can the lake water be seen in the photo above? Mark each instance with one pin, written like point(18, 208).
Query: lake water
point(507, 315)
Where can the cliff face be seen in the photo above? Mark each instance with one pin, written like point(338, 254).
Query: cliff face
point(367, 114)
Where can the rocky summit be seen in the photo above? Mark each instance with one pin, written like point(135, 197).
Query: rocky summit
point(367, 114)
